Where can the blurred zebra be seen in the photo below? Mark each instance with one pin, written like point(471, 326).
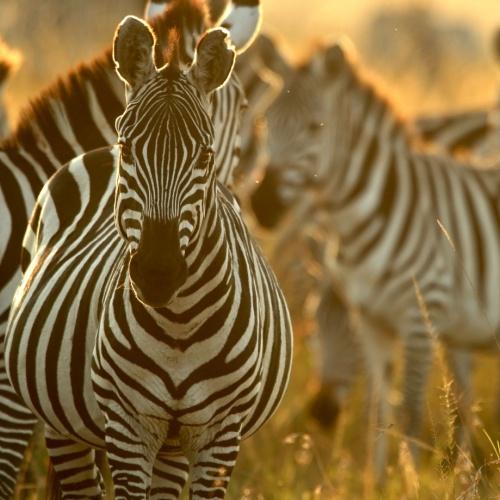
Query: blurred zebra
point(9, 60)
point(74, 115)
point(193, 346)
point(474, 133)
point(417, 235)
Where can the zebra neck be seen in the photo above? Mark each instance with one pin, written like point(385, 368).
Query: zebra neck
point(74, 115)
point(209, 283)
point(362, 163)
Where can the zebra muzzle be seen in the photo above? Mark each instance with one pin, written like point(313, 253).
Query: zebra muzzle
point(158, 269)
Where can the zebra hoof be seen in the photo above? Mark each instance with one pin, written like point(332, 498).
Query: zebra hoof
point(325, 410)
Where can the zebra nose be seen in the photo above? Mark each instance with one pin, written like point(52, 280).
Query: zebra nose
point(158, 268)
point(266, 201)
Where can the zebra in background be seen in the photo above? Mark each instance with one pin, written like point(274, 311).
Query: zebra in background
point(9, 61)
point(74, 115)
point(149, 253)
point(336, 349)
point(417, 236)
point(469, 134)
point(473, 133)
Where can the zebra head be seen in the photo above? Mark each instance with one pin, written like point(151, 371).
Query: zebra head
point(295, 121)
point(166, 174)
point(310, 128)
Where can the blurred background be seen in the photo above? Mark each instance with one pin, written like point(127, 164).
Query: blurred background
point(434, 55)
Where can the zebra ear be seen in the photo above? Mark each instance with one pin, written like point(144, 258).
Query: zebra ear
point(133, 51)
point(214, 60)
point(334, 59)
point(338, 56)
point(243, 23)
point(154, 8)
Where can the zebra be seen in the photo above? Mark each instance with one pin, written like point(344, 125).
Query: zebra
point(475, 134)
point(416, 235)
point(471, 133)
point(74, 115)
point(168, 286)
point(9, 61)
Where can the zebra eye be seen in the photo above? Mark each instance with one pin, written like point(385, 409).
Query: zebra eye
point(315, 126)
point(205, 158)
point(126, 153)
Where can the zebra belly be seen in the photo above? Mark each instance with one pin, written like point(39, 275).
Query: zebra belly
point(473, 325)
point(459, 317)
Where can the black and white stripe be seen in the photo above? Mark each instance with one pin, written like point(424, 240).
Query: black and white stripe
point(193, 345)
point(75, 115)
point(410, 229)
point(473, 134)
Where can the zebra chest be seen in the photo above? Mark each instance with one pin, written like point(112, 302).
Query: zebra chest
point(186, 372)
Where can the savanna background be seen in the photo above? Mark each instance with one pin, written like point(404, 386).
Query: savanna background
point(432, 56)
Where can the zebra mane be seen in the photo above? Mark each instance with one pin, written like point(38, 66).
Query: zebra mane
point(363, 79)
point(179, 13)
point(373, 85)
point(71, 91)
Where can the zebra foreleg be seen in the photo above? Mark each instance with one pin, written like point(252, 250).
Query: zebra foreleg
point(170, 474)
point(338, 358)
point(74, 466)
point(132, 447)
point(378, 349)
point(418, 349)
point(461, 366)
point(214, 464)
point(17, 424)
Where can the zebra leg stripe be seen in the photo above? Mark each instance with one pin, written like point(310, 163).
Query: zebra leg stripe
point(418, 349)
point(215, 463)
point(379, 350)
point(17, 424)
point(170, 476)
point(132, 449)
point(74, 465)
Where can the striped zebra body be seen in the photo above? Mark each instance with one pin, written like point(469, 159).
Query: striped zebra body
point(222, 345)
point(474, 134)
point(416, 235)
point(75, 115)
